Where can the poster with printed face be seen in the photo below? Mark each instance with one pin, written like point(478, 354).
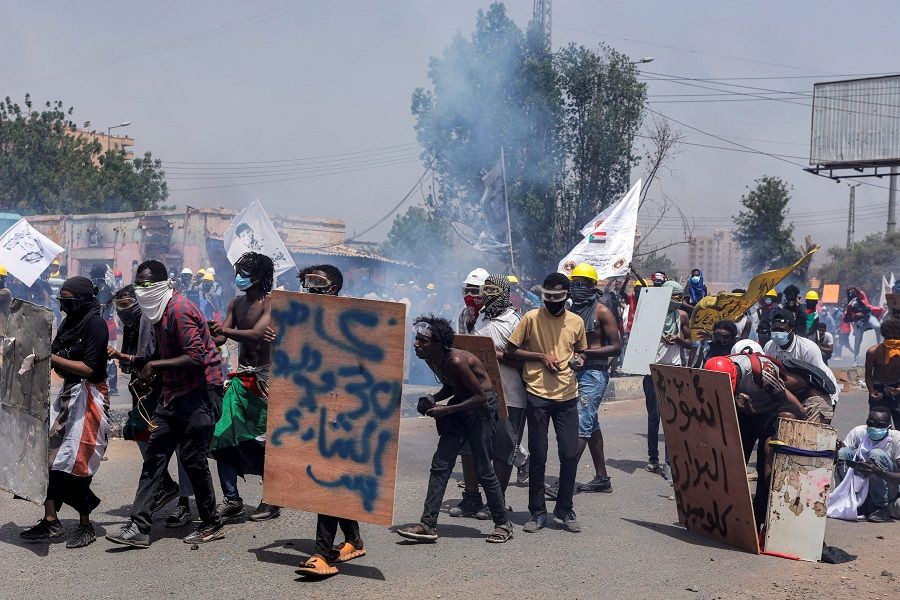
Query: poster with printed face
point(252, 231)
point(25, 401)
point(26, 252)
point(334, 405)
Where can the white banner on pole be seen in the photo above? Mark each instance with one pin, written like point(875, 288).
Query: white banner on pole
point(252, 231)
point(646, 331)
point(26, 252)
point(608, 242)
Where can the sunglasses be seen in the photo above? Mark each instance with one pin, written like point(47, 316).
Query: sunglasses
point(874, 423)
point(554, 295)
point(313, 281)
point(124, 303)
point(144, 284)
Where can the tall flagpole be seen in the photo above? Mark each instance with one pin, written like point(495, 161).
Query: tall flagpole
point(512, 260)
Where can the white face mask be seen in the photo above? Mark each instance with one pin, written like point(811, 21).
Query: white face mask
point(154, 299)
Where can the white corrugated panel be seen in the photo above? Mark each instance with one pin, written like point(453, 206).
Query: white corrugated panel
point(856, 121)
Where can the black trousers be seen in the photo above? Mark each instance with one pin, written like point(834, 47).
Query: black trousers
point(755, 430)
point(476, 427)
point(65, 488)
point(187, 423)
point(564, 415)
point(652, 419)
point(326, 530)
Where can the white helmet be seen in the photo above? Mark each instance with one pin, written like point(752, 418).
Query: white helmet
point(477, 277)
point(186, 271)
point(746, 347)
point(211, 271)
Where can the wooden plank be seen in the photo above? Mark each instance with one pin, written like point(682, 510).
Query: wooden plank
point(334, 405)
point(646, 330)
point(831, 293)
point(798, 496)
point(704, 443)
point(483, 347)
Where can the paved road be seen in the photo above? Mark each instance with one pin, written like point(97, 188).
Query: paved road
point(630, 547)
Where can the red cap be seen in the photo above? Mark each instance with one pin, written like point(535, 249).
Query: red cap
point(723, 364)
point(117, 274)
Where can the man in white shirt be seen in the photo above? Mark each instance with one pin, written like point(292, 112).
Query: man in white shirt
point(785, 343)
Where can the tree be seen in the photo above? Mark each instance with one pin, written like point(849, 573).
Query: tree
point(415, 235)
point(653, 262)
point(45, 167)
point(864, 263)
point(763, 231)
point(566, 123)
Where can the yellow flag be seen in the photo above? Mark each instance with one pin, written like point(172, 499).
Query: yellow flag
point(731, 307)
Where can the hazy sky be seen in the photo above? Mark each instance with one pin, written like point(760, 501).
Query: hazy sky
point(329, 83)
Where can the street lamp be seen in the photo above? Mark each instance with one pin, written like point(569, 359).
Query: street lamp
point(642, 61)
point(109, 133)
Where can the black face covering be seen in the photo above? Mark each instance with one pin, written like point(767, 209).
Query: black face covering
point(555, 308)
point(130, 315)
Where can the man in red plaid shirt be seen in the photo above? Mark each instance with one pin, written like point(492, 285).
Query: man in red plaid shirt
point(189, 367)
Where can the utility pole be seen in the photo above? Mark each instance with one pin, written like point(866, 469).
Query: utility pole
point(542, 16)
point(851, 216)
point(892, 203)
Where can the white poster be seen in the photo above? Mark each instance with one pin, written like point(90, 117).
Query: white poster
point(646, 331)
point(26, 252)
point(252, 231)
point(608, 242)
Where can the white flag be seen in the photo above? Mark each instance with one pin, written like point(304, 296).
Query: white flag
point(493, 204)
point(252, 231)
point(608, 242)
point(26, 252)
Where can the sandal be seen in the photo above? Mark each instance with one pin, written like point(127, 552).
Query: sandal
point(316, 565)
point(419, 533)
point(347, 551)
point(501, 538)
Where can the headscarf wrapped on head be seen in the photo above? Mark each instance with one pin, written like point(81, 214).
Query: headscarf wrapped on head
point(696, 290)
point(71, 328)
point(496, 305)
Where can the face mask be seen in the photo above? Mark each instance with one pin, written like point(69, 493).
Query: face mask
point(69, 305)
point(781, 337)
point(723, 340)
point(582, 294)
point(695, 279)
point(876, 434)
point(130, 315)
point(767, 301)
point(474, 302)
point(811, 304)
point(154, 299)
point(242, 283)
point(556, 308)
point(2, 282)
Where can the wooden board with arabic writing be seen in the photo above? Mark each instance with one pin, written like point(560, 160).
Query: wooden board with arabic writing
point(334, 405)
point(712, 494)
point(483, 348)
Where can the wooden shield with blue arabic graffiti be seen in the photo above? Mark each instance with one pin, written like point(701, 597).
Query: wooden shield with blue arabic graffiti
point(334, 405)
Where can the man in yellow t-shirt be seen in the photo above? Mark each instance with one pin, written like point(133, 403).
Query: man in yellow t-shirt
point(550, 341)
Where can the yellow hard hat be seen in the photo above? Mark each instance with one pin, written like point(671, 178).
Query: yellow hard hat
point(585, 270)
point(638, 283)
point(3, 271)
point(812, 295)
point(208, 277)
point(201, 272)
point(512, 279)
point(772, 294)
point(430, 286)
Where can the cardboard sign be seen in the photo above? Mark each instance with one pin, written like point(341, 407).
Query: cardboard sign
point(483, 348)
point(712, 494)
point(798, 495)
point(646, 331)
point(334, 405)
point(831, 293)
point(25, 401)
point(731, 307)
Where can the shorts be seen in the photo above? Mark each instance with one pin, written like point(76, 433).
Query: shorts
point(818, 409)
point(591, 388)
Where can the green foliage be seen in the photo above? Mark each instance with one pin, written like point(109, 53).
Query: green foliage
point(46, 169)
point(417, 237)
point(864, 263)
point(651, 263)
point(564, 121)
point(762, 231)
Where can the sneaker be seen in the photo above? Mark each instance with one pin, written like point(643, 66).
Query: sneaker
point(419, 533)
point(483, 514)
point(522, 474)
point(535, 524)
point(470, 505)
point(83, 535)
point(230, 511)
point(44, 530)
point(130, 535)
point(207, 532)
point(264, 512)
point(665, 471)
point(551, 491)
point(881, 515)
point(163, 497)
point(597, 484)
point(180, 517)
point(652, 466)
point(569, 522)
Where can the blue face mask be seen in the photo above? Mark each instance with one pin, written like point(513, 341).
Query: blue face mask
point(242, 283)
point(876, 434)
point(781, 337)
point(695, 279)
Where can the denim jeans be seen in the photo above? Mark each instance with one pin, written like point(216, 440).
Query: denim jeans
point(564, 414)
point(591, 389)
point(652, 419)
point(476, 427)
point(228, 481)
point(881, 493)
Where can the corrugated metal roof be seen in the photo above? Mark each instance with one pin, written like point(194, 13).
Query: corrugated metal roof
point(856, 122)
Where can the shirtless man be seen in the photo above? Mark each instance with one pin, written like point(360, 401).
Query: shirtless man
point(883, 370)
point(471, 414)
point(238, 442)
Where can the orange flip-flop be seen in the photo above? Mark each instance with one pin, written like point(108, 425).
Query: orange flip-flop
point(316, 565)
point(347, 551)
